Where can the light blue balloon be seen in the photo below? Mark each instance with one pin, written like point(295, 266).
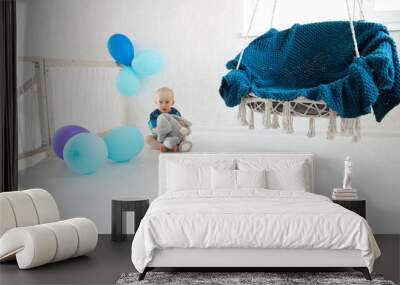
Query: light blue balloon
point(85, 153)
point(128, 84)
point(124, 143)
point(148, 62)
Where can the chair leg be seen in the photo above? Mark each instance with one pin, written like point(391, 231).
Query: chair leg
point(143, 274)
point(364, 271)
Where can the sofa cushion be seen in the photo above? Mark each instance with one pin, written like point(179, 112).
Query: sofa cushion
point(41, 244)
point(7, 220)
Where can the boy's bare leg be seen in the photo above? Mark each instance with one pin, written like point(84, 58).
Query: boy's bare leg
point(152, 142)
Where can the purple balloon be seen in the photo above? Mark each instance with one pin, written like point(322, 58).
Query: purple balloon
point(62, 135)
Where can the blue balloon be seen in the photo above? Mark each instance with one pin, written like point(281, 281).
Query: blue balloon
point(127, 82)
point(85, 153)
point(124, 143)
point(148, 62)
point(121, 49)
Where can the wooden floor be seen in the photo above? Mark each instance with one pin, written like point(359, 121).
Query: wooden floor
point(111, 259)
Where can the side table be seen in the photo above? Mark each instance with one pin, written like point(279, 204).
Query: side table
point(357, 206)
point(119, 207)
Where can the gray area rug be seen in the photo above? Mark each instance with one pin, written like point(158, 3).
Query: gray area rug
point(269, 278)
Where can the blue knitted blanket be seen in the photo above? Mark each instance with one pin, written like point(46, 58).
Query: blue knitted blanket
point(317, 61)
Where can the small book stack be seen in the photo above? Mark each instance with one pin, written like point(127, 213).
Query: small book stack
point(344, 194)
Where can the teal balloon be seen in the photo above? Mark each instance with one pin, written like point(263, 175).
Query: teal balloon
point(85, 153)
point(128, 84)
point(147, 62)
point(124, 143)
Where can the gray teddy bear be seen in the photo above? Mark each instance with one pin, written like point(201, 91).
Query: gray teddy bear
point(172, 131)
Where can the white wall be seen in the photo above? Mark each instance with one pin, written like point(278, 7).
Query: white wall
point(196, 39)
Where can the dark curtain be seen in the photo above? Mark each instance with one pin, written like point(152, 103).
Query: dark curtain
point(8, 97)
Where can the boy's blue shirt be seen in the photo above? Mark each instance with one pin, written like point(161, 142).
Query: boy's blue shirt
point(154, 115)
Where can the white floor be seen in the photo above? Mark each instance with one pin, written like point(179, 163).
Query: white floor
point(90, 195)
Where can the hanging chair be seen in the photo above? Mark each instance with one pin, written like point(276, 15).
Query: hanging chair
point(319, 70)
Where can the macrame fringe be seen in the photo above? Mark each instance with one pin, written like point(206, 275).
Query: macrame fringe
point(275, 121)
point(270, 119)
point(251, 120)
point(351, 127)
point(267, 123)
point(311, 127)
point(291, 130)
point(287, 119)
point(242, 114)
point(357, 130)
point(332, 126)
point(285, 116)
point(346, 127)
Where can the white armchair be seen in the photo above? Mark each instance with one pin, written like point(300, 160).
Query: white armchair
point(31, 230)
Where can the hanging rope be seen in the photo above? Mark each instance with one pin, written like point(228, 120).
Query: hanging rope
point(361, 9)
point(246, 38)
point(353, 32)
point(271, 24)
point(360, 6)
point(242, 106)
